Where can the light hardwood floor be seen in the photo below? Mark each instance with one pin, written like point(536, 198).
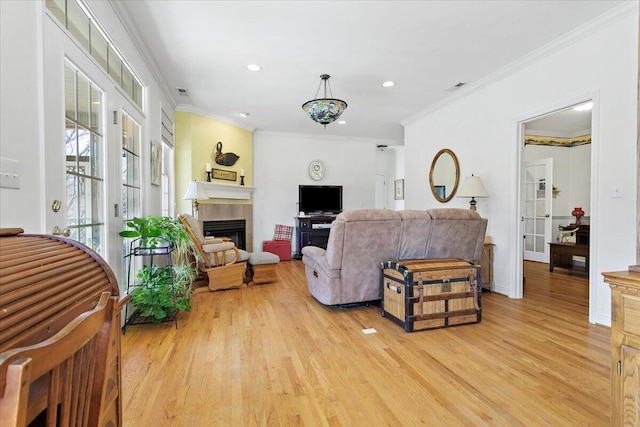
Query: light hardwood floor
point(272, 355)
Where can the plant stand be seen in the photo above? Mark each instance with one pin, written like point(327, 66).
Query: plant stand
point(151, 262)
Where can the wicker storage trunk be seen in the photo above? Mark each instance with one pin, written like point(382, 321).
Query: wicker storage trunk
point(431, 293)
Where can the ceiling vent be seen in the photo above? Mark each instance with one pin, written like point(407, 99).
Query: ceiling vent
point(456, 87)
point(182, 92)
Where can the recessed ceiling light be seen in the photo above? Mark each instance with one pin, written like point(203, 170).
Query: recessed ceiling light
point(244, 114)
point(342, 122)
point(584, 107)
point(388, 84)
point(254, 67)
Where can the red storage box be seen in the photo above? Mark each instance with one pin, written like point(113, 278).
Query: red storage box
point(282, 248)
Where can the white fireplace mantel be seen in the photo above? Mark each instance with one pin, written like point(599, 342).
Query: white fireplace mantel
point(225, 191)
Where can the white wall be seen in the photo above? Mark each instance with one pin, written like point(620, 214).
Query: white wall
point(482, 129)
point(396, 171)
point(22, 125)
point(281, 162)
point(21, 112)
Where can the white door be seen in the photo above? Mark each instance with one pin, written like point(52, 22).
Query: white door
point(75, 140)
point(536, 204)
point(83, 147)
point(381, 192)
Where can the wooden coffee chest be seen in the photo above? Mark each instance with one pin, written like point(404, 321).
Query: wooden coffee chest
point(431, 293)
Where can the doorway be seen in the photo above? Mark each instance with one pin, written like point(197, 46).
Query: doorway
point(549, 195)
point(380, 201)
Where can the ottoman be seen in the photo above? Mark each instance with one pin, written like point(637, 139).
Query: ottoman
point(262, 267)
point(282, 248)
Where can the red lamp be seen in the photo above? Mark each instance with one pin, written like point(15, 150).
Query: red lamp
point(578, 213)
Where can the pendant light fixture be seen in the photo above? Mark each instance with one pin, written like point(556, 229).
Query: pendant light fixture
point(324, 110)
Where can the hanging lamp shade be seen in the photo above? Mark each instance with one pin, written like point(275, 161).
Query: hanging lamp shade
point(324, 110)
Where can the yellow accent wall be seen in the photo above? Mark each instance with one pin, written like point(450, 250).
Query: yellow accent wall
point(196, 137)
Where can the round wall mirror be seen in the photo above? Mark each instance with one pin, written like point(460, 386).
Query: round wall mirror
point(444, 175)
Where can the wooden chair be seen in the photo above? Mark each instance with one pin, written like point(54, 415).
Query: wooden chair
point(219, 257)
point(61, 370)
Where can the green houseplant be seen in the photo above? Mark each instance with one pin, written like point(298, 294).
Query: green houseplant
point(161, 290)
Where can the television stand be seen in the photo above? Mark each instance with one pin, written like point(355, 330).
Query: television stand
point(312, 231)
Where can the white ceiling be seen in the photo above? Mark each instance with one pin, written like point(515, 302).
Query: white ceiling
point(566, 123)
point(426, 47)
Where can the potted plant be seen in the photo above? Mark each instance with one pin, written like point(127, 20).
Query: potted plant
point(160, 291)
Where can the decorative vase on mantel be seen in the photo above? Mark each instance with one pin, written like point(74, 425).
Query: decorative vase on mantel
point(578, 213)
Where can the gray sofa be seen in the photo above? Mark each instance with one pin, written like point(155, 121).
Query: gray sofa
point(348, 271)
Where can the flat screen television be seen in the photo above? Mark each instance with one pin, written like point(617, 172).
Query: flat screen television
point(320, 199)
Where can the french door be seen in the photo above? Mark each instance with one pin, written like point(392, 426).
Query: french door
point(88, 122)
point(536, 205)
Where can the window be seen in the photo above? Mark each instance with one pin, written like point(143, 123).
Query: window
point(75, 17)
point(167, 165)
point(84, 150)
point(131, 202)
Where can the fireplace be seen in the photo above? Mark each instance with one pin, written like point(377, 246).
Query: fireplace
point(235, 229)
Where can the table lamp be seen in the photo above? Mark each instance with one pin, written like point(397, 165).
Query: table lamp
point(472, 187)
point(194, 192)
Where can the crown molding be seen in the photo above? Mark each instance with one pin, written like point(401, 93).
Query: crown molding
point(142, 48)
point(591, 27)
point(336, 138)
point(187, 108)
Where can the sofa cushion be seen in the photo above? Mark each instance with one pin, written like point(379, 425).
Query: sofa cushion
point(195, 227)
point(456, 233)
point(416, 230)
point(371, 236)
point(336, 243)
point(453, 213)
point(368, 215)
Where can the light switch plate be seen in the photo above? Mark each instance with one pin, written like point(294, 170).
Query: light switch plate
point(616, 191)
point(9, 173)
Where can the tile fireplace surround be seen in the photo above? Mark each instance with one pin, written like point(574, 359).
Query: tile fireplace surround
point(227, 211)
point(217, 212)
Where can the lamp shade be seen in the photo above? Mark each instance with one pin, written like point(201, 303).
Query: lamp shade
point(194, 192)
point(324, 110)
point(472, 187)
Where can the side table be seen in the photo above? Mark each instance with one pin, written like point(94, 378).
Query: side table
point(486, 264)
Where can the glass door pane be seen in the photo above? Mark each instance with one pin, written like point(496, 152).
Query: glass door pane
point(536, 209)
point(84, 153)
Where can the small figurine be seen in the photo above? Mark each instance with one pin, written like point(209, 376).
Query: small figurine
point(225, 159)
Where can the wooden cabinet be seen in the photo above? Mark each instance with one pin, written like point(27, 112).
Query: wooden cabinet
point(486, 264)
point(312, 231)
point(573, 256)
point(625, 347)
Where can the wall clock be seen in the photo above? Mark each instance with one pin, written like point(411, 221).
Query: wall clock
point(316, 170)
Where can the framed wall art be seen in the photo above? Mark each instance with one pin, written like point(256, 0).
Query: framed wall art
point(156, 162)
point(223, 174)
point(399, 189)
